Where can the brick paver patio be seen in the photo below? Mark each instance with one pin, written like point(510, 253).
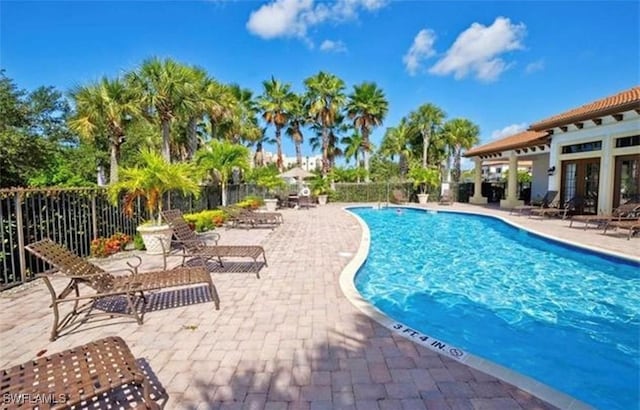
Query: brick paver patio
point(289, 340)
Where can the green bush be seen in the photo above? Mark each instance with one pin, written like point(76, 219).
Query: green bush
point(138, 243)
point(206, 220)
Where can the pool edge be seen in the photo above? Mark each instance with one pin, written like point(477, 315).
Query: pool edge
point(526, 383)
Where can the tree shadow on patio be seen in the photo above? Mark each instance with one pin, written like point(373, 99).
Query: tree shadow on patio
point(363, 365)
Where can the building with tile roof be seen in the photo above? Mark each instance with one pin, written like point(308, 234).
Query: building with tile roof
point(591, 152)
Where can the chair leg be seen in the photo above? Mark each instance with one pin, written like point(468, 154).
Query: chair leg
point(134, 312)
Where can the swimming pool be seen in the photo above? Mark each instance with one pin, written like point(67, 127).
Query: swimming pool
point(566, 317)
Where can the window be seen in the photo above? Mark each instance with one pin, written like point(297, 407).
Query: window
point(628, 141)
point(586, 147)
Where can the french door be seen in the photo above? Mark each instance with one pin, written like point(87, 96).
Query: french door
point(580, 178)
point(626, 183)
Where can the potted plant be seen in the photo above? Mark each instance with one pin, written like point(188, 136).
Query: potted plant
point(423, 179)
point(150, 181)
point(269, 179)
point(321, 187)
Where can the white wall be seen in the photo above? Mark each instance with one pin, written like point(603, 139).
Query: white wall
point(540, 179)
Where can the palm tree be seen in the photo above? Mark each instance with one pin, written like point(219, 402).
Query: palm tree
point(155, 177)
point(163, 92)
point(367, 107)
point(397, 141)
point(325, 99)
point(297, 118)
point(219, 158)
point(275, 103)
point(426, 119)
point(242, 123)
point(105, 109)
point(460, 133)
point(221, 105)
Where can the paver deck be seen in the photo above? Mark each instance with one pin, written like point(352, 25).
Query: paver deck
point(289, 340)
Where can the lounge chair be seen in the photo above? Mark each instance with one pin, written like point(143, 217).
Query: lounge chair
point(569, 206)
point(80, 374)
point(633, 226)
point(446, 198)
point(547, 202)
point(194, 247)
point(398, 197)
point(106, 285)
point(625, 212)
point(305, 202)
point(246, 218)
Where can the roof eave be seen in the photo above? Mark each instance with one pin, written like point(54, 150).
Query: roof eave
point(551, 124)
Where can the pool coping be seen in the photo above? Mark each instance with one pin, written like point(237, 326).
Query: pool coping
point(526, 383)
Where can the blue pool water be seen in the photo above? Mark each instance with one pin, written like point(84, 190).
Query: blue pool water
point(566, 317)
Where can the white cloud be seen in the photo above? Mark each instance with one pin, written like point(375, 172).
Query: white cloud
point(421, 49)
point(476, 51)
point(508, 131)
point(292, 18)
point(333, 46)
point(535, 66)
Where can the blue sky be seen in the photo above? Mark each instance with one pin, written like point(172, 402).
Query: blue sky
point(501, 64)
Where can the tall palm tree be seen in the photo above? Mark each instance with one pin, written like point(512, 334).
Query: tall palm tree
point(221, 105)
point(275, 103)
point(460, 133)
point(367, 107)
point(104, 109)
point(242, 123)
point(426, 119)
point(325, 99)
point(219, 158)
point(297, 118)
point(163, 92)
point(397, 141)
point(353, 147)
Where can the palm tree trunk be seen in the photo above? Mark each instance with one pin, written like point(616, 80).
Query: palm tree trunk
point(166, 129)
point(192, 140)
point(113, 171)
point(365, 153)
point(279, 148)
point(298, 152)
point(357, 166)
point(223, 188)
point(425, 147)
point(325, 151)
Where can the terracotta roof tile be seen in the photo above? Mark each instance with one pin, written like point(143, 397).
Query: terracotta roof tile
point(521, 140)
point(623, 101)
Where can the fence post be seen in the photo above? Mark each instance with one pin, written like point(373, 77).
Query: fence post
point(94, 215)
point(20, 228)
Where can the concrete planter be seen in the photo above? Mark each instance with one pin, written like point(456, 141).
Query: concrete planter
point(423, 198)
point(271, 204)
point(322, 199)
point(155, 237)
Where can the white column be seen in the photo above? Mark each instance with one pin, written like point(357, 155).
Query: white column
point(512, 189)
point(607, 169)
point(477, 197)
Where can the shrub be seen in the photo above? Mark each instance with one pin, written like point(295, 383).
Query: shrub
point(103, 247)
point(138, 243)
point(251, 202)
point(206, 220)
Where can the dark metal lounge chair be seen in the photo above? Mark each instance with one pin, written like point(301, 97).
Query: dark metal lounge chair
point(194, 247)
point(548, 201)
point(446, 198)
point(80, 374)
point(633, 226)
point(569, 206)
point(106, 285)
point(246, 218)
point(625, 212)
point(398, 197)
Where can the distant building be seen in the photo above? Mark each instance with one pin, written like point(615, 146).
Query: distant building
point(309, 162)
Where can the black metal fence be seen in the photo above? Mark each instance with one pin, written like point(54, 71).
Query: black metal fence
point(76, 216)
